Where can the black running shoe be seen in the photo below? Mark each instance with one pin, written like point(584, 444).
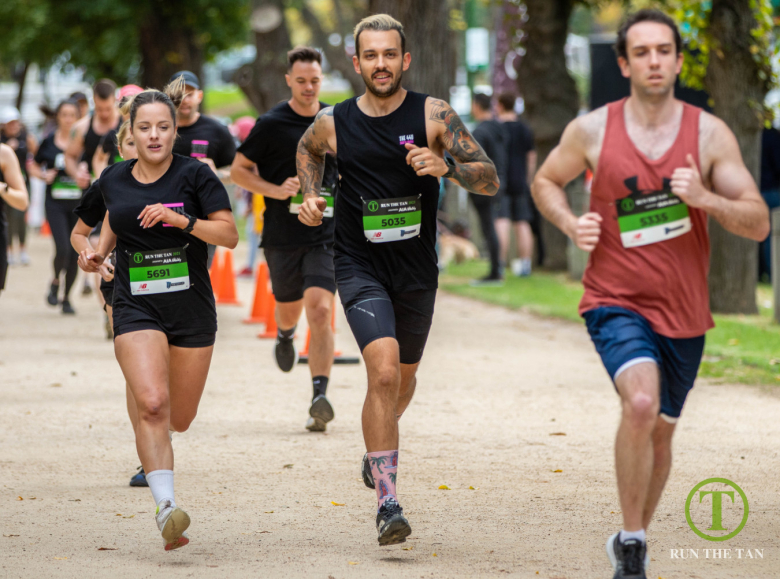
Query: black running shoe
point(285, 353)
point(320, 412)
point(67, 308)
point(139, 478)
point(365, 472)
point(628, 558)
point(391, 525)
point(51, 299)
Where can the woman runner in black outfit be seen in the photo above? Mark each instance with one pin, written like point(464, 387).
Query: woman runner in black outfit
point(162, 211)
point(13, 193)
point(62, 197)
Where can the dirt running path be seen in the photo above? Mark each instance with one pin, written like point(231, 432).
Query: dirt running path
point(494, 386)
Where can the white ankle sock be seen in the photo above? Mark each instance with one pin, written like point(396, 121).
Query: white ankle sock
point(161, 484)
point(640, 535)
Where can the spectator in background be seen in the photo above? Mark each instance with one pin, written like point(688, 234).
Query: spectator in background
point(15, 135)
point(82, 101)
point(516, 206)
point(255, 204)
point(770, 191)
point(491, 135)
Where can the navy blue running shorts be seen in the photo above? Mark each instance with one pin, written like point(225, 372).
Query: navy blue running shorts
point(624, 338)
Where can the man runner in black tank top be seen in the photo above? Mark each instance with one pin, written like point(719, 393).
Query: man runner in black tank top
point(86, 135)
point(389, 146)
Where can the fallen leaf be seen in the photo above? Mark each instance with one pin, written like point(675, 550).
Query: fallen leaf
point(287, 466)
point(261, 532)
point(60, 558)
point(335, 504)
point(74, 500)
point(212, 566)
point(557, 434)
point(557, 470)
point(409, 548)
point(444, 488)
point(107, 549)
point(354, 562)
point(128, 517)
point(31, 498)
point(435, 555)
point(10, 535)
point(56, 385)
point(119, 514)
point(473, 488)
point(19, 499)
point(268, 512)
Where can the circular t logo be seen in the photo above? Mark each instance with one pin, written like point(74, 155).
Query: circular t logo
point(715, 516)
point(627, 204)
point(138, 257)
point(373, 206)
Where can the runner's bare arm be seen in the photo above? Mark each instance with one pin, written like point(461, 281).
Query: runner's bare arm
point(735, 201)
point(243, 172)
point(79, 237)
point(473, 169)
point(90, 259)
point(318, 139)
point(13, 191)
point(75, 146)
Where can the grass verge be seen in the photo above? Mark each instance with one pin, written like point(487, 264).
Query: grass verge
point(740, 349)
point(230, 102)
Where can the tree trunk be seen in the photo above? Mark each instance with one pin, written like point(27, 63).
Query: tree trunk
point(337, 56)
point(22, 80)
point(429, 40)
point(160, 60)
point(733, 82)
point(263, 80)
point(550, 94)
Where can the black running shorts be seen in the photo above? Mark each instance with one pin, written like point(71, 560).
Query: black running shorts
point(373, 312)
point(295, 269)
point(186, 341)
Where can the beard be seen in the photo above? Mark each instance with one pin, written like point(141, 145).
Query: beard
point(387, 92)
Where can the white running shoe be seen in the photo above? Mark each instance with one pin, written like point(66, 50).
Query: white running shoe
point(172, 522)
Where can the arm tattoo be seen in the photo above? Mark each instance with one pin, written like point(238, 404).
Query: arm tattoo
point(473, 170)
point(310, 158)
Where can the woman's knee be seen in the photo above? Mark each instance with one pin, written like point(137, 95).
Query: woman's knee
point(153, 406)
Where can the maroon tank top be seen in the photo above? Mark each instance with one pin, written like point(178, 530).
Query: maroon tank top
point(653, 253)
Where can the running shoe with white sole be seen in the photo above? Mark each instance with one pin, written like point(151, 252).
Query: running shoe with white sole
point(285, 354)
point(629, 559)
point(391, 525)
point(139, 478)
point(320, 413)
point(172, 522)
point(365, 472)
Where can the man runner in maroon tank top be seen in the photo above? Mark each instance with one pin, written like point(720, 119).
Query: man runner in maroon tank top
point(656, 163)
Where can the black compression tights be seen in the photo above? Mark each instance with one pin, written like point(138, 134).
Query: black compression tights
point(62, 220)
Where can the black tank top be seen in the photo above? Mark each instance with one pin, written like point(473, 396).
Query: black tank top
point(372, 164)
point(92, 141)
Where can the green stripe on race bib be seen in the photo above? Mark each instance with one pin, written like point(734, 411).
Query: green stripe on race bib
point(662, 216)
point(169, 271)
point(374, 222)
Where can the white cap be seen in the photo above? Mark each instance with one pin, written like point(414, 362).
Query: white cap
point(8, 114)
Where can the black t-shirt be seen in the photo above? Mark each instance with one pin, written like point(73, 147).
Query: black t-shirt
point(189, 186)
point(206, 137)
point(272, 146)
point(50, 156)
point(521, 142)
point(92, 209)
point(19, 145)
point(386, 214)
point(492, 137)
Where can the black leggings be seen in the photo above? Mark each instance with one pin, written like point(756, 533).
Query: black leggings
point(62, 220)
point(486, 210)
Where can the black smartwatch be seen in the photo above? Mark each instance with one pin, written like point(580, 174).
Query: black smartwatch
point(450, 166)
point(191, 224)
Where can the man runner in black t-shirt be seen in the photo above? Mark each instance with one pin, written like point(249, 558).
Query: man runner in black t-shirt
point(389, 146)
point(300, 259)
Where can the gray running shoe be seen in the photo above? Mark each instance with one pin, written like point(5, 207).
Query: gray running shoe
point(320, 412)
point(391, 525)
point(629, 558)
point(365, 472)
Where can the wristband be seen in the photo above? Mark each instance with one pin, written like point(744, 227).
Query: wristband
point(191, 224)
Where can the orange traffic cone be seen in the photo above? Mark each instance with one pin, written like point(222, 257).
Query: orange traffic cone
point(257, 315)
point(215, 273)
point(226, 286)
point(270, 319)
point(45, 229)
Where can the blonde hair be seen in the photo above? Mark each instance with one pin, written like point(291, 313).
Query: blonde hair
point(171, 96)
point(379, 22)
point(121, 134)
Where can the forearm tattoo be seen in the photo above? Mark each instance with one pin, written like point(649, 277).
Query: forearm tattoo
point(310, 158)
point(473, 170)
